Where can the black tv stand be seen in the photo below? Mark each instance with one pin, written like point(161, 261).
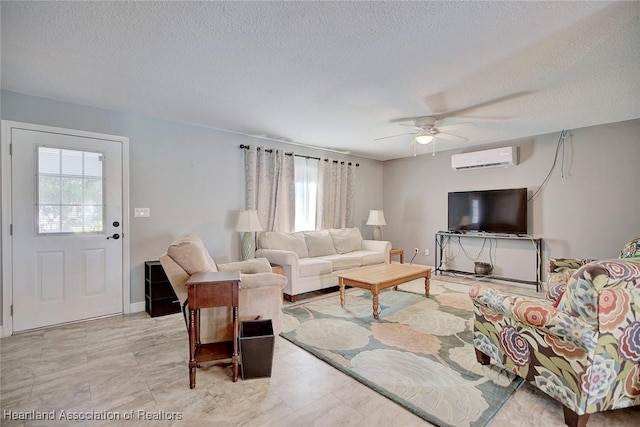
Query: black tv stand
point(442, 236)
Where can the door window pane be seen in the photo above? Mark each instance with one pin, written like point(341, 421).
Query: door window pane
point(49, 190)
point(93, 218)
point(49, 160)
point(92, 191)
point(71, 219)
point(71, 162)
point(93, 164)
point(49, 219)
point(70, 191)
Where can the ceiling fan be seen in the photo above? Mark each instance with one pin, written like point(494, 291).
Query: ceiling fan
point(426, 129)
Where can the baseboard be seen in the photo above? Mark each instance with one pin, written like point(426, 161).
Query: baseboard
point(136, 307)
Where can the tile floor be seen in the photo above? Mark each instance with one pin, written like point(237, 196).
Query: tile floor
point(135, 367)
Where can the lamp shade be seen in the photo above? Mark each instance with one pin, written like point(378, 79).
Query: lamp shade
point(376, 218)
point(248, 221)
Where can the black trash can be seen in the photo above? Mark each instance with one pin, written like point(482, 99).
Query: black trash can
point(256, 348)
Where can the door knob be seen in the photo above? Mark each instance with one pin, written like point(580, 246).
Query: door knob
point(115, 236)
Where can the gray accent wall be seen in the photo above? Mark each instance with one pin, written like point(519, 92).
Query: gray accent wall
point(589, 208)
point(191, 177)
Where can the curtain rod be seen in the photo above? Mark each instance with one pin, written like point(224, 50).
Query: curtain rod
point(269, 150)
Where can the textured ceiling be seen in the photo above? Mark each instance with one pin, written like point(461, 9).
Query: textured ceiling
point(335, 74)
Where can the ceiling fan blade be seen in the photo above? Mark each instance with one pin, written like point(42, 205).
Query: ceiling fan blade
point(485, 117)
point(449, 137)
point(406, 119)
point(470, 108)
point(438, 102)
point(393, 136)
point(446, 128)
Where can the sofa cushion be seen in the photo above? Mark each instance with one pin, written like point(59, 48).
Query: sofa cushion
point(294, 242)
point(190, 254)
point(314, 267)
point(319, 243)
point(343, 261)
point(346, 239)
point(370, 257)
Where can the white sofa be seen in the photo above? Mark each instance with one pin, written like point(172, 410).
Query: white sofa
point(312, 260)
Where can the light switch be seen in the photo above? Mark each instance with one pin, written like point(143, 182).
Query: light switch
point(141, 212)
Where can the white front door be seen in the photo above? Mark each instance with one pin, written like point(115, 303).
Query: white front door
point(67, 215)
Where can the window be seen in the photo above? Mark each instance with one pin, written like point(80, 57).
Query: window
point(306, 176)
point(70, 191)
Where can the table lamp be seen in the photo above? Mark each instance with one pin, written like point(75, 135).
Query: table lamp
point(376, 218)
point(248, 223)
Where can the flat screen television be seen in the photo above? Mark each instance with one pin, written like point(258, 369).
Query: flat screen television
point(489, 211)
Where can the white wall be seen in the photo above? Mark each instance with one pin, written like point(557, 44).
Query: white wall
point(590, 212)
point(190, 177)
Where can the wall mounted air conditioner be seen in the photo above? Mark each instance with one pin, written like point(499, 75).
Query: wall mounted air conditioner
point(495, 158)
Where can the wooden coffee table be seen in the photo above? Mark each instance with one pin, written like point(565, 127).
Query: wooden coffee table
point(379, 277)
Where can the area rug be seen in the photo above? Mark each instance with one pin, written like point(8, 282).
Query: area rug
point(419, 353)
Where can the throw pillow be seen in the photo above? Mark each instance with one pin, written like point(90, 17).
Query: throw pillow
point(346, 239)
point(631, 249)
point(293, 242)
point(556, 303)
point(190, 254)
point(319, 243)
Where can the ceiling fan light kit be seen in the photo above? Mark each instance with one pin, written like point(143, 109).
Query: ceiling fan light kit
point(427, 129)
point(424, 139)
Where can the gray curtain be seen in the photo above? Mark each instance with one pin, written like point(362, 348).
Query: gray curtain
point(335, 194)
point(270, 186)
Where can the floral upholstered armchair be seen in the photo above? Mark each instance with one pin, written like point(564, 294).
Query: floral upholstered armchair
point(584, 353)
point(561, 269)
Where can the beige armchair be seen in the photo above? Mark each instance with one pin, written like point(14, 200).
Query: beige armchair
point(260, 289)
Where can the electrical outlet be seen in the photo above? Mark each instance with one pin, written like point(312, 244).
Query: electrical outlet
point(426, 252)
point(415, 251)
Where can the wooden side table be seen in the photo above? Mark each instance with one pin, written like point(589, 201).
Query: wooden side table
point(397, 251)
point(275, 268)
point(205, 290)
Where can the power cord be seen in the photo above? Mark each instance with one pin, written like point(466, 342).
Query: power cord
point(563, 135)
point(484, 242)
point(452, 257)
point(413, 257)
